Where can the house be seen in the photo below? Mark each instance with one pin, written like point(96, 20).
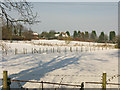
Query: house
point(57, 35)
point(35, 35)
point(62, 34)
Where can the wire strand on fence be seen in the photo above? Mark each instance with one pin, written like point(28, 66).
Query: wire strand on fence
point(113, 77)
point(68, 75)
point(19, 85)
point(102, 83)
point(46, 83)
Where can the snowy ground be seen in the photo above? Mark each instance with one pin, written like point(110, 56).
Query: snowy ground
point(86, 62)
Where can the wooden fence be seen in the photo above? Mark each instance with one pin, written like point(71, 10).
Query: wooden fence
point(54, 50)
point(7, 81)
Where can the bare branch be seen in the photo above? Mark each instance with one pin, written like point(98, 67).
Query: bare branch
point(23, 8)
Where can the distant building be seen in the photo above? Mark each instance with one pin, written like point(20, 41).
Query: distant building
point(57, 35)
point(35, 35)
point(62, 34)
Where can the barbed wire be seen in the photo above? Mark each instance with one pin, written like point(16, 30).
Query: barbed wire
point(113, 77)
point(45, 82)
point(19, 85)
point(67, 75)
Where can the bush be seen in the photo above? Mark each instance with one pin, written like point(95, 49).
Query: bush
point(118, 42)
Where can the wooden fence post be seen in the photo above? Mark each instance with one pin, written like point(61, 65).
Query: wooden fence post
point(46, 50)
point(81, 49)
point(42, 85)
point(82, 86)
point(43, 50)
point(53, 50)
point(15, 51)
point(6, 51)
point(65, 49)
point(90, 48)
point(40, 50)
point(104, 81)
point(4, 80)
point(86, 49)
point(76, 49)
point(32, 50)
point(26, 51)
point(94, 48)
point(23, 50)
point(57, 50)
point(70, 49)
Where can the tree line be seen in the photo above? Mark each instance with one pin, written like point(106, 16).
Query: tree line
point(83, 36)
point(102, 38)
point(20, 32)
point(16, 32)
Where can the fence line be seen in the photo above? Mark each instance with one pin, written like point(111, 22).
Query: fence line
point(7, 82)
point(46, 83)
point(57, 49)
point(102, 83)
point(79, 75)
point(113, 77)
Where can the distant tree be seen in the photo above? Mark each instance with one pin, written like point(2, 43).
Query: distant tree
point(43, 34)
point(13, 35)
point(101, 37)
point(93, 36)
point(52, 31)
point(68, 33)
point(79, 35)
point(106, 38)
point(112, 35)
point(60, 35)
point(75, 34)
point(51, 34)
point(21, 7)
point(118, 41)
point(83, 36)
point(20, 28)
point(15, 30)
point(27, 34)
point(6, 34)
point(57, 32)
point(86, 35)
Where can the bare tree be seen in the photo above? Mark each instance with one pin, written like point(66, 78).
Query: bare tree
point(22, 7)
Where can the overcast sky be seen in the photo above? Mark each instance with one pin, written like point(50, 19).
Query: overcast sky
point(83, 16)
point(73, 0)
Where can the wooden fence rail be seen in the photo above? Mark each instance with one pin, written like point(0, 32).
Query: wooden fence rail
point(7, 82)
point(46, 83)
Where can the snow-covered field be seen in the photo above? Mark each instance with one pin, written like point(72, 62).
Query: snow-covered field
point(83, 63)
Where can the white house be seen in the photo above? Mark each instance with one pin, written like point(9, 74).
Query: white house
point(62, 33)
point(57, 35)
point(35, 35)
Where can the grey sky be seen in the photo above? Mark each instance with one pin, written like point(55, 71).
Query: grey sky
point(73, 0)
point(83, 16)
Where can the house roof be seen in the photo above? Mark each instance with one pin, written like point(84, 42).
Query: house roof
point(34, 33)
